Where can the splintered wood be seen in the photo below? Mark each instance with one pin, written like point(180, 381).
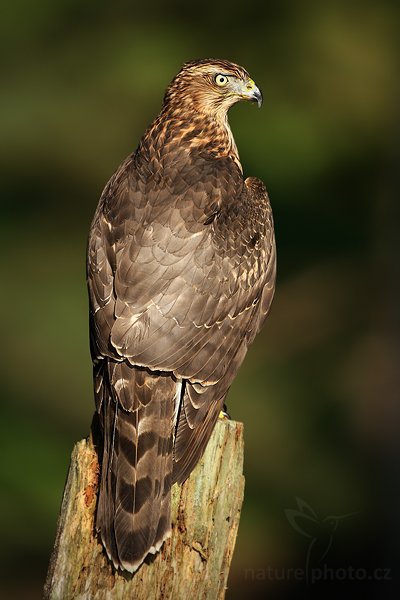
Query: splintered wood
point(193, 563)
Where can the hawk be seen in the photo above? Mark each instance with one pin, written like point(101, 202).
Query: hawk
point(181, 275)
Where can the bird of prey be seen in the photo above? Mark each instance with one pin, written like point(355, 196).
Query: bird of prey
point(181, 274)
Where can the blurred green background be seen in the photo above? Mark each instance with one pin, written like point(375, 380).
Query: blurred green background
point(319, 390)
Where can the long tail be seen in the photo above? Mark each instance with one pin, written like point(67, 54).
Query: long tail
point(136, 411)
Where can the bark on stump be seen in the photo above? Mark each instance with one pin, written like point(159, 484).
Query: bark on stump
point(193, 563)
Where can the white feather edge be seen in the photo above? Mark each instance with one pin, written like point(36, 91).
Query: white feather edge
point(133, 567)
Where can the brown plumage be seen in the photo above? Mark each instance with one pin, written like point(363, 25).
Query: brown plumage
point(181, 275)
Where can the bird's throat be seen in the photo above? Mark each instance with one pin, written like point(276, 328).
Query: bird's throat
point(195, 132)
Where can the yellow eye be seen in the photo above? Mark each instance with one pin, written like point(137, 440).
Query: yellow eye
point(221, 80)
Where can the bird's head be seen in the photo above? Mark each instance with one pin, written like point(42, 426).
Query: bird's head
point(211, 86)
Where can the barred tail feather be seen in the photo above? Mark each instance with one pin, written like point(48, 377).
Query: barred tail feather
point(134, 503)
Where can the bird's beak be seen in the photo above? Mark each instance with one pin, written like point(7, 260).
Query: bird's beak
point(340, 517)
point(347, 516)
point(251, 92)
point(258, 97)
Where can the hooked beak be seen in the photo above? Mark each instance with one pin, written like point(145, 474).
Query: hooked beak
point(257, 96)
point(251, 92)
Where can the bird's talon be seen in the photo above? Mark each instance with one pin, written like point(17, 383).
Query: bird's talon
point(224, 413)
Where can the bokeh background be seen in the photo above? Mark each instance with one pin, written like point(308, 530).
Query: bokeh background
point(319, 391)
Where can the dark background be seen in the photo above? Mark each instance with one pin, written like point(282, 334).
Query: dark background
point(319, 390)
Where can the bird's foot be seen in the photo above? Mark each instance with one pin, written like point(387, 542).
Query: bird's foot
point(224, 413)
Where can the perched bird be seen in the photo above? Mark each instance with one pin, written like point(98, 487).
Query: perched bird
point(181, 274)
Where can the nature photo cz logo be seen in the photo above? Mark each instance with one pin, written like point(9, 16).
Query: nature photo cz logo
point(320, 532)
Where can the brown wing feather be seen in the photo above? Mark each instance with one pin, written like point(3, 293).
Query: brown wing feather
point(168, 299)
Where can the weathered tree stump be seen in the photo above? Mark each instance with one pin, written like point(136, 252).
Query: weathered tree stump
point(194, 563)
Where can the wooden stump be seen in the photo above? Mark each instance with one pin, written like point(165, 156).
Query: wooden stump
point(194, 563)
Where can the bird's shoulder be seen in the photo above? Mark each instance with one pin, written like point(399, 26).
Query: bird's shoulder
point(150, 187)
point(248, 213)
